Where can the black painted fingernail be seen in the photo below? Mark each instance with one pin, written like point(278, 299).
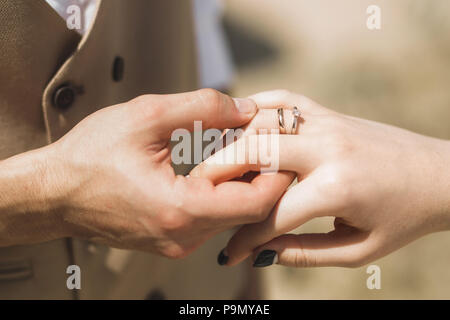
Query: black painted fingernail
point(222, 259)
point(265, 258)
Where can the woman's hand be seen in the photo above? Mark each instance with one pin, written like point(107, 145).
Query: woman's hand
point(385, 187)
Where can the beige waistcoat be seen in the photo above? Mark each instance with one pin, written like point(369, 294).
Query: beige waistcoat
point(39, 54)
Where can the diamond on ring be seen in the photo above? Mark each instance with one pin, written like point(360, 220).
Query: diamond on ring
point(296, 114)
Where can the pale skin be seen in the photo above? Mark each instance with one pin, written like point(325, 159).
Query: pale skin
point(109, 180)
point(385, 186)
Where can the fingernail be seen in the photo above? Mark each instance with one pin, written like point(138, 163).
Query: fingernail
point(222, 258)
point(245, 105)
point(265, 258)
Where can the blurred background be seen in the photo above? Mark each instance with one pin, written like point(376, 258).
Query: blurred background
point(398, 75)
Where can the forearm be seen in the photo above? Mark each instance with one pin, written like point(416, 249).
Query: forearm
point(441, 192)
point(28, 199)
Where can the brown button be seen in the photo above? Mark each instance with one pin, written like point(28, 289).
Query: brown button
point(118, 69)
point(64, 97)
point(155, 294)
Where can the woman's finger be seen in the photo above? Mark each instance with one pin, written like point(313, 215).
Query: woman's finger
point(283, 98)
point(266, 122)
point(298, 205)
point(264, 153)
point(338, 249)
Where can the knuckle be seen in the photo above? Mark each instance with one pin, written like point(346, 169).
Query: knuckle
point(333, 179)
point(190, 200)
point(211, 97)
point(259, 214)
point(304, 258)
point(173, 221)
point(174, 252)
point(261, 208)
point(148, 107)
point(185, 205)
point(336, 184)
point(142, 99)
point(265, 205)
point(336, 141)
point(213, 103)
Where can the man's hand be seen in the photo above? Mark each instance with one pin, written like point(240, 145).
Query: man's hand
point(110, 180)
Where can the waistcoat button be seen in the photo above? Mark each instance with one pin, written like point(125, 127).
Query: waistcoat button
point(64, 97)
point(155, 294)
point(118, 69)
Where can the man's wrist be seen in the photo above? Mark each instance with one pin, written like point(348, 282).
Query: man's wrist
point(30, 198)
